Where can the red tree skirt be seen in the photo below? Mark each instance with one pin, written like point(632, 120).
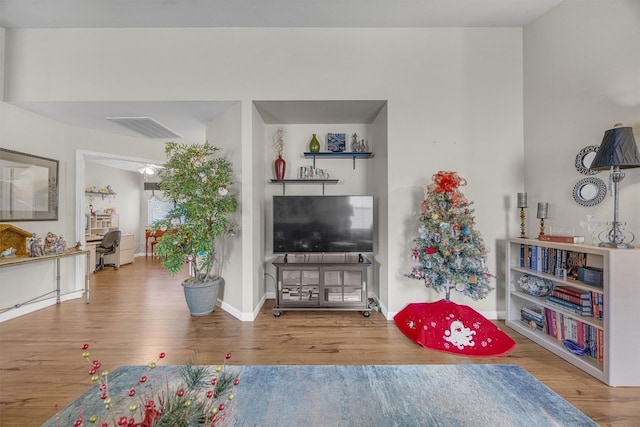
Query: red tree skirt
point(452, 328)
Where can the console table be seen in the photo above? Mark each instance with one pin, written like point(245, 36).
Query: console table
point(22, 260)
point(321, 282)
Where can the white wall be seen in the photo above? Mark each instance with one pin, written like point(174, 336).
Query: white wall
point(224, 132)
point(454, 103)
point(582, 75)
point(2, 38)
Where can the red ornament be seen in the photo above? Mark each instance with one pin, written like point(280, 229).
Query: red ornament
point(143, 379)
point(180, 393)
point(431, 250)
point(96, 364)
point(93, 371)
point(123, 421)
point(104, 396)
point(236, 381)
point(209, 394)
point(132, 392)
point(78, 422)
point(221, 407)
point(85, 346)
point(162, 355)
point(227, 356)
point(214, 381)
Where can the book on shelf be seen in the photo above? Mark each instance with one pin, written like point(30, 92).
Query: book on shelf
point(579, 298)
point(532, 323)
point(564, 327)
point(558, 238)
point(527, 315)
point(566, 305)
point(571, 290)
point(535, 312)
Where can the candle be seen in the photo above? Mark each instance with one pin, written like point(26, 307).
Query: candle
point(543, 209)
point(522, 200)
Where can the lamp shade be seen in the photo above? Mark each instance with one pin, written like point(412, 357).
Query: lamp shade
point(618, 148)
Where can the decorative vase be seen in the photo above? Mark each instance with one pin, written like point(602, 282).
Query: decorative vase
point(202, 297)
point(314, 145)
point(280, 166)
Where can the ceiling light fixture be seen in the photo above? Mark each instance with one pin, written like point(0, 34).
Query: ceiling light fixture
point(147, 170)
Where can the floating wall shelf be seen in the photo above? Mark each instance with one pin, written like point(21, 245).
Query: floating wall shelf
point(97, 193)
point(284, 182)
point(342, 155)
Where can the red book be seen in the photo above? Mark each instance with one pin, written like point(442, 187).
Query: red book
point(570, 298)
point(601, 348)
point(569, 290)
point(560, 239)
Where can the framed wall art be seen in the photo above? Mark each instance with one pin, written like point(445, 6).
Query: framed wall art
point(589, 191)
point(584, 159)
point(28, 187)
point(336, 142)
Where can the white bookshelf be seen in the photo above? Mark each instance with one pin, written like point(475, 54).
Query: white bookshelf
point(621, 320)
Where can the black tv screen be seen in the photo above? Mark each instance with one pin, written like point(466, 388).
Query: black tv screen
point(322, 224)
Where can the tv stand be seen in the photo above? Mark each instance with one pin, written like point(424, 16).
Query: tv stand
point(321, 282)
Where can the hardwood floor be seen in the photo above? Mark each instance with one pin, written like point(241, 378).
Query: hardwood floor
point(139, 311)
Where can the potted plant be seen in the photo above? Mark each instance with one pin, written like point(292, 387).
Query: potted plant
point(195, 229)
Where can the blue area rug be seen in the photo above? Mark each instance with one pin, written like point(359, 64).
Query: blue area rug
point(371, 395)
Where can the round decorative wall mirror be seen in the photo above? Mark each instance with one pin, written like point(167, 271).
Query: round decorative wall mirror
point(584, 159)
point(589, 191)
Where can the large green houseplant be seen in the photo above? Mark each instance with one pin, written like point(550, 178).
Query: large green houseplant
point(195, 229)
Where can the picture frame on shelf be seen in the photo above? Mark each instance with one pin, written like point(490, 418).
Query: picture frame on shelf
point(336, 142)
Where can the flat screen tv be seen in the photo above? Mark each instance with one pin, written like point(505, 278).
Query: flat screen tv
point(322, 224)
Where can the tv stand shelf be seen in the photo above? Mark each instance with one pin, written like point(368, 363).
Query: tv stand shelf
point(321, 282)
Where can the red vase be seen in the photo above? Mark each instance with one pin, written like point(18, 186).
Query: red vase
point(280, 166)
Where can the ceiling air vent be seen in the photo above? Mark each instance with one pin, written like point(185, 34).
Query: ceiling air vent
point(145, 126)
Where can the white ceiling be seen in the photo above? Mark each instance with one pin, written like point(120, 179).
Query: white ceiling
point(189, 118)
point(269, 13)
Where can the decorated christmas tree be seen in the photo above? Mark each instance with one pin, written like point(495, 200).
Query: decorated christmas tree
point(449, 251)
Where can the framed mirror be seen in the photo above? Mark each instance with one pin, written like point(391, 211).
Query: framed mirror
point(589, 191)
point(584, 159)
point(28, 187)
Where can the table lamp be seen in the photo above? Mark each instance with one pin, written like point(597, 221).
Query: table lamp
point(617, 151)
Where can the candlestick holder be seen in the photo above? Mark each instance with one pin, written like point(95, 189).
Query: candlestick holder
point(542, 226)
point(543, 209)
point(522, 204)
